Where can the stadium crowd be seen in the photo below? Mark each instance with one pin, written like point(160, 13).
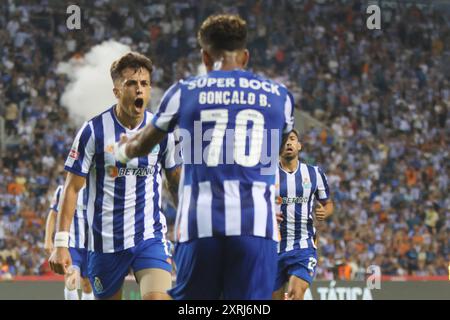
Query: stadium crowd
point(382, 95)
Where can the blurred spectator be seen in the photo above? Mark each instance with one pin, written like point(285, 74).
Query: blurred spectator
point(4, 270)
point(2, 234)
point(11, 118)
point(431, 219)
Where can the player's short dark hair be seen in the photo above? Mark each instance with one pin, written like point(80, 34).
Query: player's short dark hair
point(133, 60)
point(295, 131)
point(223, 32)
point(285, 137)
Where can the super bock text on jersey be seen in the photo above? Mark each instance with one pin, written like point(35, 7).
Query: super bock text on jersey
point(226, 118)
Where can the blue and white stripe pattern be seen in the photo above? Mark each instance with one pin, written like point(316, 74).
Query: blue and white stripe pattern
point(216, 198)
point(124, 200)
point(78, 227)
point(228, 209)
point(295, 195)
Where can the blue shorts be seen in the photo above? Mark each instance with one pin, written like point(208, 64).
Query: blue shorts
point(298, 262)
point(238, 267)
point(107, 271)
point(80, 260)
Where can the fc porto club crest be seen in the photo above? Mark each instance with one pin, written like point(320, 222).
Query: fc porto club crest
point(155, 149)
point(98, 285)
point(109, 148)
point(112, 171)
point(306, 183)
point(278, 200)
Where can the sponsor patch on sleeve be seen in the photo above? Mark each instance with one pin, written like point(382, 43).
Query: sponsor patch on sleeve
point(73, 154)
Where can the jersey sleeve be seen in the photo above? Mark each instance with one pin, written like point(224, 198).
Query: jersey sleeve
point(82, 152)
point(54, 204)
point(288, 113)
point(172, 155)
point(166, 116)
point(323, 191)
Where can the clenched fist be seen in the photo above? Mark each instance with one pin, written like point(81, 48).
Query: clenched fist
point(320, 212)
point(60, 260)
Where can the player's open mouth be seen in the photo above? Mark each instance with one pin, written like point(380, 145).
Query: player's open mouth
point(289, 149)
point(139, 103)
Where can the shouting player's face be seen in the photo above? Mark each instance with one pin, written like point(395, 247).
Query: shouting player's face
point(133, 91)
point(291, 147)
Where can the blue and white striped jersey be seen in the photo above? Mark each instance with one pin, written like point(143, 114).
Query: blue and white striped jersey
point(78, 227)
point(295, 195)
point(225, 119)
point(124, 200)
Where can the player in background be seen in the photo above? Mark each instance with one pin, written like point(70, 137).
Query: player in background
point(77, 246)
point(126, 226)
point(298, 187)
point(226, 224)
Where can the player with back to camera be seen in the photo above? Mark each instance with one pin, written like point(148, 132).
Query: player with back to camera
point(226, 223)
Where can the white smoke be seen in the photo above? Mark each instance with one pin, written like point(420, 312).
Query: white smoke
point(201, 70)
point(90, 89)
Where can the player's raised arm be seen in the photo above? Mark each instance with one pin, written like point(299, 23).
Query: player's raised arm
point(60, 259)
